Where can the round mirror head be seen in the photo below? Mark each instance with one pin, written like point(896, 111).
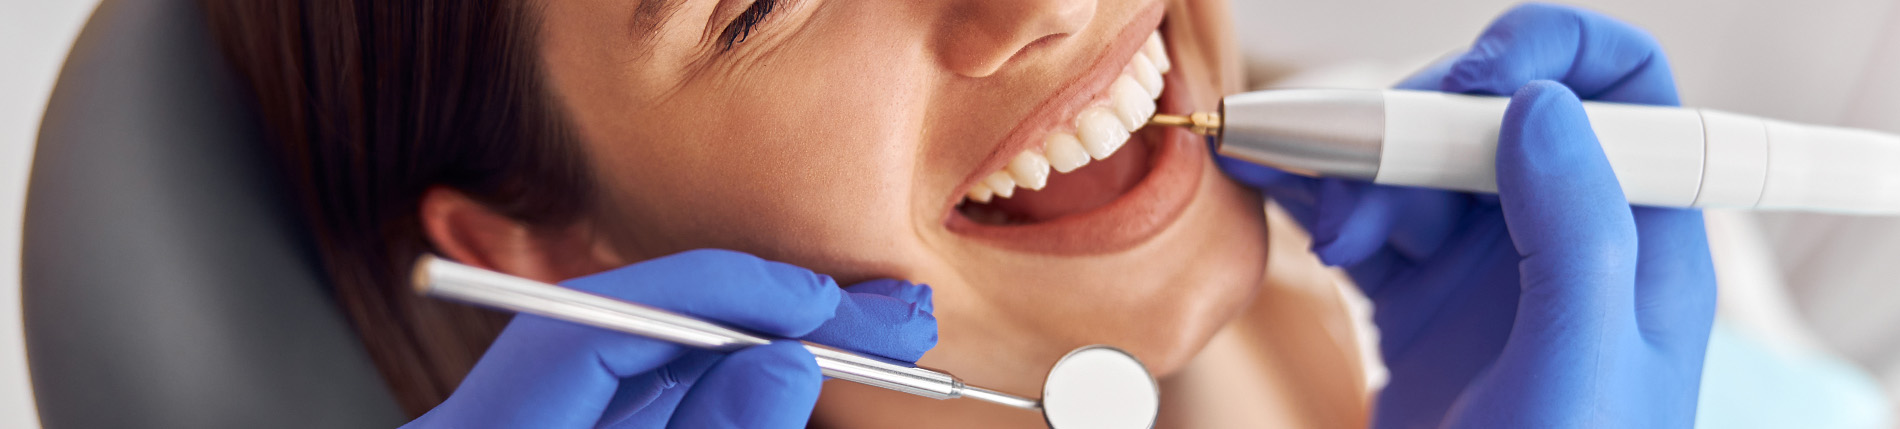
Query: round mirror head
point(1100, 387)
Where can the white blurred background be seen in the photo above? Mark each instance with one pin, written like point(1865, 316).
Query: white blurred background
point(1820, 61)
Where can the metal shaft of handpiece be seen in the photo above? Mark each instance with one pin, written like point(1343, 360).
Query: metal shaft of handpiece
point(443, 279)
point(1202, 123)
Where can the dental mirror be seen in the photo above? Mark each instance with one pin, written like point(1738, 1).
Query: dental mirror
point(1091, 387)
point(1100, 387)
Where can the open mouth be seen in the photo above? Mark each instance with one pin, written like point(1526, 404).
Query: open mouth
point(1089, 167)
point(1097, 179)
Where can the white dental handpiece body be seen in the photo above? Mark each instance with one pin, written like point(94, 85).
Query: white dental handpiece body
point(1663, 156)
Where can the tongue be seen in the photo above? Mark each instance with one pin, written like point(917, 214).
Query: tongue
point(1084, 189)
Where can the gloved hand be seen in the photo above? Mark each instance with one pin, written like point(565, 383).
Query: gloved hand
point(545, 373)
point(1553, 303)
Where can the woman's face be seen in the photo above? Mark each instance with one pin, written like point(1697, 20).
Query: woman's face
point(856, 137)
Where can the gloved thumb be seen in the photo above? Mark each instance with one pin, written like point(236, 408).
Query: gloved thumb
point(1576, 243)
point(769, 386)
point(1563, 206)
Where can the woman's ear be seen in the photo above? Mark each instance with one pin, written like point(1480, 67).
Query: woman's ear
point(469, 232)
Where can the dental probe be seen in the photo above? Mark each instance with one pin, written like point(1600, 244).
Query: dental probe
point(1093, 386)
point(1663, 156)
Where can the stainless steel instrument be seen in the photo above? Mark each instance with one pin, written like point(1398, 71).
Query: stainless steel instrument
point(1093, 386)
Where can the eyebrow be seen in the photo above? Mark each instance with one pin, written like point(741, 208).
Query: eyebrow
point(647, 18)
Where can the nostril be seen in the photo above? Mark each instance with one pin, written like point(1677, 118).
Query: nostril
point(978, 56)
point(1037, 44)
point(979, 38)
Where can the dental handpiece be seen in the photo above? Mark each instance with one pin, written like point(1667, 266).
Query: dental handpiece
point(439, 278)
point(1663, 156)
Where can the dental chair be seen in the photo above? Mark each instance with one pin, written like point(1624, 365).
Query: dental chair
point(166, 280)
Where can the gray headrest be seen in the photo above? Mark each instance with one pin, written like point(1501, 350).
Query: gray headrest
point(165, 282)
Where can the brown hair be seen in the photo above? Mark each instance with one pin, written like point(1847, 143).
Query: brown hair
point(371, 102)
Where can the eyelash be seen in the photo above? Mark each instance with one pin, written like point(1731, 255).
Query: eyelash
point(741, 27)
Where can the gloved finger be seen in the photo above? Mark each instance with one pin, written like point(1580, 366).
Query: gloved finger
point(554, 371)
point(548, 373)
point(1295, 194)
point(1345, 225)
point(769, 386)
point(1432, 77)
point(1675, 280)
point(1351, 221)
point(730, 287)
point(1354, 220)
point(1599, 57)
point(772, 298)
point(1289, 189)
point(1675, 300)
point(889, 318)
point(1567, 217)
point(1329, 209)
point(900, 290)
point(647, 400)
point(1576, 245)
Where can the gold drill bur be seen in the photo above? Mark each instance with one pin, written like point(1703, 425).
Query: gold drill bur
point(1203, 123)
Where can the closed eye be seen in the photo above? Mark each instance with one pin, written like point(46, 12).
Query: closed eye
point(741, 27)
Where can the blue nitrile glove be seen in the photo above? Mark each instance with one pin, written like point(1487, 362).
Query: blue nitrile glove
point(1554, 303)
point(545, 373)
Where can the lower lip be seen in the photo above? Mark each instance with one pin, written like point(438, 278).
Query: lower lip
point(1134, 218)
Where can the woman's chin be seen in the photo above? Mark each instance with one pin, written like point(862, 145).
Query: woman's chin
point(1225, 232)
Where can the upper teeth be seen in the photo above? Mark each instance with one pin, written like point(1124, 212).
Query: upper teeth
point(1099, 130)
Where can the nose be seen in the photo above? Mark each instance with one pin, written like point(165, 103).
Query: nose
point(978, 37)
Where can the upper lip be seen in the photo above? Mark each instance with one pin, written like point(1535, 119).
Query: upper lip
point(1065, 103)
